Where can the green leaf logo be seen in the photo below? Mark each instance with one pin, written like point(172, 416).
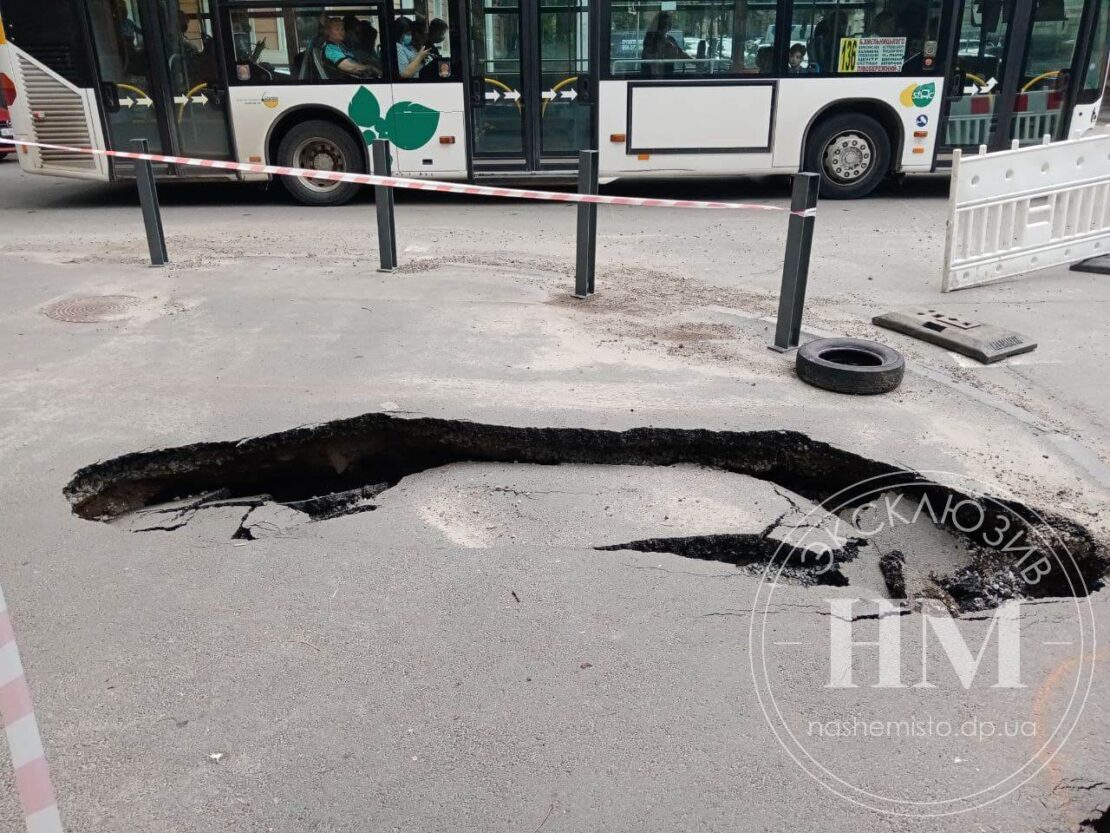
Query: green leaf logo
point(411, 125)
point(364, 109)
point(924, 93)
point(407, 124)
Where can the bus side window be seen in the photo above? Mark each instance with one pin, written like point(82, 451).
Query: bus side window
point(306, 45)
point(877, 36)
point(691, 38)
point(424, 42)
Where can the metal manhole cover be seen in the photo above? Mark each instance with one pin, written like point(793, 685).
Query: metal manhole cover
point(95, 310)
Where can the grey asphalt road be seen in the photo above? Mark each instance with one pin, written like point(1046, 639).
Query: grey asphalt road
point(462, 658)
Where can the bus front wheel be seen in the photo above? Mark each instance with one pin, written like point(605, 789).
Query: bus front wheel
point(851, 152)
point(322, 146)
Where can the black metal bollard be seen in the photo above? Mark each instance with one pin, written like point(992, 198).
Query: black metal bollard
point(383, 199)
point(586, 260)
point(152, 213)
point(795, 266)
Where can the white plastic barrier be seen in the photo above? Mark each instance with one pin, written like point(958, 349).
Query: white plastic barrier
point(1024, 209)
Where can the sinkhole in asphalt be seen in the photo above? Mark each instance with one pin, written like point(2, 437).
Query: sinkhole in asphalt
point(1099, 823)
point(319, 472)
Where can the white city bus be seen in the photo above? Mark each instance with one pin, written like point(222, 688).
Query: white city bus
point(479, 89)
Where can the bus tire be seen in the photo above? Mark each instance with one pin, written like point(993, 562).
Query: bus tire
point(320, 145)
point(851, 152)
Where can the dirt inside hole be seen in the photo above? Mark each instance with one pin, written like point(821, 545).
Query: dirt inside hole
point(340, 467)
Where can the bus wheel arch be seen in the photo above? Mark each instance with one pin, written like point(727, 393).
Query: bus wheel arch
point(291, 138)
point(853, 145)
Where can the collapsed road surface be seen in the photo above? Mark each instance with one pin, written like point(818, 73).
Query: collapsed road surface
point(333, 469)
point(490, 645)
point(538, 497)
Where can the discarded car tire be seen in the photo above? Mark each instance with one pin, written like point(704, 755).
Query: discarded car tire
point(850, 365)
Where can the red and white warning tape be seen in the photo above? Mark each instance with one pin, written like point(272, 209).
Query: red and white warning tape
point(32, 778)
point(416, 184)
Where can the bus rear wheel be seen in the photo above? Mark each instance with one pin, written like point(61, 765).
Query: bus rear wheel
point(851, 152)
point(322, 146)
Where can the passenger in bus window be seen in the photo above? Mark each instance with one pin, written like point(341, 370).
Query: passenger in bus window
point(821, 44)
point(129, 43)
point(129, 30)
point(795, 60)
point(660, 45)
point(437, 34)
point(764, 60)
point(419, 32)
point(410, 58)
point(339, 56)
point(349, 24)
point(909, 22)
point(364, 45)
point(883, 25)
point(436, 64)
point(194, 63)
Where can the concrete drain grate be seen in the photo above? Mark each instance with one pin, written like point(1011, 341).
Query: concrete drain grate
point(98, 309)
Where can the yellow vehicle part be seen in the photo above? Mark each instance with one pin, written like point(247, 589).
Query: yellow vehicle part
point(555, 89)
point(181, 107)
point(503, 86)
point(131, 89)
point(1051, 74)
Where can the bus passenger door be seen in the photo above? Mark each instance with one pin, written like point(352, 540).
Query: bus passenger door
point(979, 67)
point(1052, 69)
point(160, 77)
point(566, 96)
point(1019, 69)
point(530, 85)
point(498, 101)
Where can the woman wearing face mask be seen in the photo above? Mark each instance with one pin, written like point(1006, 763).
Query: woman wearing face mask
point(410, 60)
